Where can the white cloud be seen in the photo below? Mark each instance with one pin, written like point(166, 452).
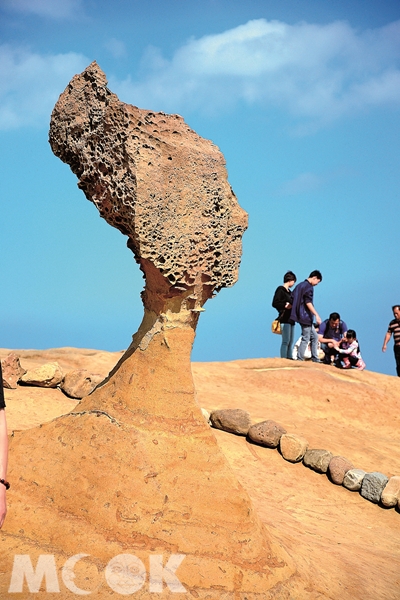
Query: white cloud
point(303, 183)
point(116, 48)
point(30, 84)
point(316, 73)
point(53, 9)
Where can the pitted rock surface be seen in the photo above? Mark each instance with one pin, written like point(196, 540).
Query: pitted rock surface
point(158, 182)
point(267, 433)
point(144, 471)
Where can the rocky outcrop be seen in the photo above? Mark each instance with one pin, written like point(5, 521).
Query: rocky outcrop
point(12, 371)
point(267, 433)
point(80, 383)
point(48, 375)
point(136, 469)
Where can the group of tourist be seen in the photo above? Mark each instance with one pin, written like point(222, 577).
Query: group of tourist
point(330, 338)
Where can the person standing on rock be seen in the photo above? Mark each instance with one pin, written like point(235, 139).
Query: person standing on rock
point(282, 301)
point(303, 312)
point(394, 329)
point(4, 485)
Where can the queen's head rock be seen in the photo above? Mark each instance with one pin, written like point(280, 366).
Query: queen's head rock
point(135, 469)
point(159, 183)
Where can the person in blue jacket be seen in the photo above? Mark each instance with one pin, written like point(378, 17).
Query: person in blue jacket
point(303, 312)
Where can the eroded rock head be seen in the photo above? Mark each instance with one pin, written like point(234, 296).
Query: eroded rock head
point(159, 183)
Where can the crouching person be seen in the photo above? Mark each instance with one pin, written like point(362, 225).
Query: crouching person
point(349, 354)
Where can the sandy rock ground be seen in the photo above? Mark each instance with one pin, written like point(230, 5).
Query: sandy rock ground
point(346, 546)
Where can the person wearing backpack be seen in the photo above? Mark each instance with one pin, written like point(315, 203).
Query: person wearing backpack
point(330, 331)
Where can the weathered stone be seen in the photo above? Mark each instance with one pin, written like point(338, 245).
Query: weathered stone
point(353, 479)
point(293, 447)
point(338, 467)
point(136, 469)
point(391, 492)
point(267, 433)
point(159, 183)
point(49, 375)
point(232, 420)
point(373, 485)
point(80, 383)
point(318, 460)
point(12, 371)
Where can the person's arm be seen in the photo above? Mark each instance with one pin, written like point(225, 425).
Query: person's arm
point(314, 312)
point(385, 341)
point(353, 347)
point(3, 464)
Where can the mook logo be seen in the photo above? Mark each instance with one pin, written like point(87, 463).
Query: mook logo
point(125, 574)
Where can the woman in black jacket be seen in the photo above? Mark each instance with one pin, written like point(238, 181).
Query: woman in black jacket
point(283, 303)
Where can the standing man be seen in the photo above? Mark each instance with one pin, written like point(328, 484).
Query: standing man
point(330, 332)
point(303, 312)
point(394, 328)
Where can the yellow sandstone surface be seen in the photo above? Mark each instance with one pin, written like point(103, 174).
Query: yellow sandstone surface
point(335, 543)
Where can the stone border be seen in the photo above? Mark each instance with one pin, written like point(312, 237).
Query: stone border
point(375, 486)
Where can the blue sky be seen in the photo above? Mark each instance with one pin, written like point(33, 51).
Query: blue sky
point(303, 99)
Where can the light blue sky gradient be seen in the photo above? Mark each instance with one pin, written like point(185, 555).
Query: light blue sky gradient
point(302, 98)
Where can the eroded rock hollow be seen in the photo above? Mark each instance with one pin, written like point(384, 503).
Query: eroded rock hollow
point(136, 469)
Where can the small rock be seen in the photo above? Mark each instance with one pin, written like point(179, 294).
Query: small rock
point(233, 420)
point(293, 447)
point(391, 493)
point(373, 485)
point(12, 371)
point(318, 460)
point(338, 467)
point(80, 383)
point(48, 375)
point(353, 479)
point(266, 433)
point(206, 415)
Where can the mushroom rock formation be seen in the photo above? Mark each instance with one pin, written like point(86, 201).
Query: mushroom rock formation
point(135, 469)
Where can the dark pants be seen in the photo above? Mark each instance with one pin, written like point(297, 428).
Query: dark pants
point(328, 353)
point(397, 357)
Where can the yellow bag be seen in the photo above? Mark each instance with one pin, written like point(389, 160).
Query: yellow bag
point(276, 327)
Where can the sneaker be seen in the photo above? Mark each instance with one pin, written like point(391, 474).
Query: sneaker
point(316, 360)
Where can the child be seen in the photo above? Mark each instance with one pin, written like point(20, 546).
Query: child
point(349, 352)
